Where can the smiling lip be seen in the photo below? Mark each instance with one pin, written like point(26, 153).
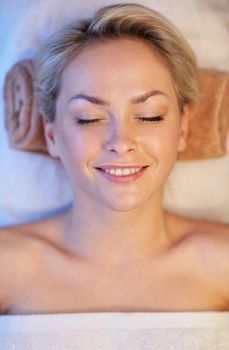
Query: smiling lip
point(110, 166)
point(122, 178)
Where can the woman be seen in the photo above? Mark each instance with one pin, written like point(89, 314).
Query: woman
point(115, 93)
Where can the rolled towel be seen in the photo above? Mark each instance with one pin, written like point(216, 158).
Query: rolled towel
point(22, 119)
point(208, 122)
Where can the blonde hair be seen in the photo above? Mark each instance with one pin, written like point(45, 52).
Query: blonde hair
point(115, 22)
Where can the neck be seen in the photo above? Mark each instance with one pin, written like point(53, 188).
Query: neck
point(116, 238)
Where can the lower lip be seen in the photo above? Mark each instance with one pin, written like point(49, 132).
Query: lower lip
point(122, 179)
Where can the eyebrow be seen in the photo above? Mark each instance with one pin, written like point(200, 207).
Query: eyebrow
point(102, 102)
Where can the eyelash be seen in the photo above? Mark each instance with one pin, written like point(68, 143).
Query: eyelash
point(94, 121)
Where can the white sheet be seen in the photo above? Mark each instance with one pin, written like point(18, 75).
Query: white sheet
point(116, 330)
point(195, 188)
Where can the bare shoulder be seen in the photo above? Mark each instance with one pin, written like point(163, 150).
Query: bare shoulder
point(205, 244)
point(205, 237)
point(210, 243)
point(47, 229)
point(22, 239)
point(182, 226)
point(19, 242)
point(212, 237)
point(20, 248)
point(14, 250)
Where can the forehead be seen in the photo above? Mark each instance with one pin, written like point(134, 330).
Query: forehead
point(122, 64)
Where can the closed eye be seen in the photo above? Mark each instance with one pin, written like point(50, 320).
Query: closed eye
point(86, 121)
point(152, 119)
point(94, 121)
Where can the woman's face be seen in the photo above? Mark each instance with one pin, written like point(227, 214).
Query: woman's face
point(118, 86)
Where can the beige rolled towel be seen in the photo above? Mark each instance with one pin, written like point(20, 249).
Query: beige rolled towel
point(22, 119)
point(208, 123)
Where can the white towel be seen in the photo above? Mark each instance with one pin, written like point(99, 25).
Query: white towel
point(116, 331)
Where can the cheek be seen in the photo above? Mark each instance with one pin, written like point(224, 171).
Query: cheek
point(162, 141)
point(77, 146)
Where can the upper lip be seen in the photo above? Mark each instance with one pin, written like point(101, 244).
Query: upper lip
point(113, 166)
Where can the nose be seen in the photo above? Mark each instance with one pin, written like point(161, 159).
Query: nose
point(121, 138)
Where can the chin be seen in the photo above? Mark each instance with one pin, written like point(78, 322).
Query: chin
point(124, 206)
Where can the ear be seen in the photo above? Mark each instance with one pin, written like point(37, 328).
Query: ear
point(184, 128)
point(50, 137)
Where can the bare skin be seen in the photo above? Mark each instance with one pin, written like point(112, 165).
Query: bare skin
point(116, 249)
point(49, 278)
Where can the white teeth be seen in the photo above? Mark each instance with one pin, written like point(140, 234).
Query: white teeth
point(122, 172)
